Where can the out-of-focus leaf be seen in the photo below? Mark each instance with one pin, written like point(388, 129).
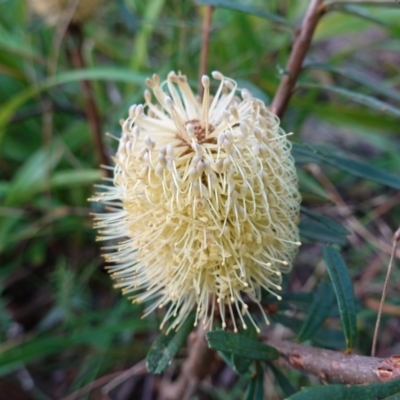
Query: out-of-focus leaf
point(328, 338)
point(141, 41)
point(372, 391)
point(241, 346)
point(358, 12)
point(327, 221)
point(255, 390)
point(344, 293)
point(282, 381)
point(364, 99)
point(309, 184)
point(32, 176)
point(71, 178)
point(318, 311)
point(8, 108)
point(377, 87)
point(246, 9)
point(317, 232)
point(304, 155)
point(165, 347)
point(12, 358)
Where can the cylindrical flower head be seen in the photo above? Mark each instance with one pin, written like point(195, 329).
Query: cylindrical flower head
point(204, 203)
point(54, 10)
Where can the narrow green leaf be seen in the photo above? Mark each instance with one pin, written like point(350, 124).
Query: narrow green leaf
point(165, 347)
point(373, 391)
point(308, 184)
point(71, 178)
point(8, 108)
point(32, 176)
point(317, 232)
point(366, 100)
point(246, 9)
point(363, 170)
point(241, 346)
point(305, 155)
point(282, 381)
point(359, 12)
point(255, 390)
point(318, 311)
point(327, 221)
point(344, 292)
point(364, 80)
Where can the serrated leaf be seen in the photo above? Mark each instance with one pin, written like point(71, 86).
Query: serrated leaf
point(317, 232)
point(364, 99)
point(165, 347)
point(373, 391)
point(327, 221)
point(244, 8)
point(344, 293)
point(241, 346)
point(318, 311)
point(305, 155)
point(255, 390)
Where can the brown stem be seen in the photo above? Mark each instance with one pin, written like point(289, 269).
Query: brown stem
point(331, 365)
point(297, 55)
point(196, 367)
point(205, 44)
point(92, 113)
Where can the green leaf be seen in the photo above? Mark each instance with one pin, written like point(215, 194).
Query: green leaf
point(282, 381)
point(241, 364)
point(71, 178)
point(317, 232)
point(318, 311)
point(255, 390)
point(8, 108)
point(165, 347)
point(32, 176)
point(306, 155)
point(327, 221)
point(241, 346)
point(359, 12)
point(308, 184)
point(364, 99)
point(364, 80)
point(344, 293)
point(373, 391)
point(246, 9)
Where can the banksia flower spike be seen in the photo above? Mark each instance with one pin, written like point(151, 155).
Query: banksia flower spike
point(204, 204)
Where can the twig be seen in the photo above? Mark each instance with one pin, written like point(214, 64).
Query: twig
point(196, 367)
point(330, 365)
point(297, 55)
point(205, 44)
point(396, 239)
point(92, 112)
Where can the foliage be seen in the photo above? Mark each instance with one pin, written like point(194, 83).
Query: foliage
point(62, 324)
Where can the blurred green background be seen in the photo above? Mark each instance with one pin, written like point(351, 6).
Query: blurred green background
point(62, 325)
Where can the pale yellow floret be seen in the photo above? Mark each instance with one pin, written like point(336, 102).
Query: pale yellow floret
point(205, 199)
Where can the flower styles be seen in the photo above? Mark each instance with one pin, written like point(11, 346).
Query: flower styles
point(204, 203)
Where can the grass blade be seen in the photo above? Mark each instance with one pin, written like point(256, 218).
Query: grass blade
point(344, 293)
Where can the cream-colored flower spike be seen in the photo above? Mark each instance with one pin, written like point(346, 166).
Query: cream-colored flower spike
point(204, 203)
